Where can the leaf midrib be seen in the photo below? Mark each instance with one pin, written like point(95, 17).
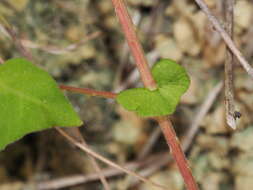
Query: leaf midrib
point(23, 95)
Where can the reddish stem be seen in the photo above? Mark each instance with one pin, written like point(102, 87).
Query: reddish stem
point(177, 152)
point(142, 65)
point(89, 92)
point(134, 44)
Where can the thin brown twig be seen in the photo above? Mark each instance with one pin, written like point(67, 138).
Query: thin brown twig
point(103, 159)
point(203, 110)
point(69, 181)
point(13, 34)
point(153, 167)
point(144, 152)
point(75, 132)
point(58, 50)
point(98, 170)
point(22, 44)
point(228, 7)
point(225, 37)
point(156, 19)
point(65, 182)
point(89, 92)
point(149, 145)
point(147, 78)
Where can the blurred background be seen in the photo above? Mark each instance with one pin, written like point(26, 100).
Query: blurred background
point(80, 43)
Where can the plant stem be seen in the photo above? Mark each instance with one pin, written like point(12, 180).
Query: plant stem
point(134, 44)
point(147, 78)
point(89, 92)
point(177, 152)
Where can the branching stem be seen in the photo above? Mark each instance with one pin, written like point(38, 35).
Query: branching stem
point(142, 65)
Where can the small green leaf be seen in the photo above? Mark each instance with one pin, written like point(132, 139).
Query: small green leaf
point(30, 100)
point(143, 101)
point(172, 81)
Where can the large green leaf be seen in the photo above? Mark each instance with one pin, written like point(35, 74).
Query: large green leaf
point(30, 101)
point(172, 81)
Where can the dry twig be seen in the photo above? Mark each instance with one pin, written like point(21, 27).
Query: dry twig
point(75, 132)
point(58, 50)
point(13, 34)
point(65, 182)
point(149, 145)
point(203, 110)
point(225, 37)
point(101, 158)
point(228, 7)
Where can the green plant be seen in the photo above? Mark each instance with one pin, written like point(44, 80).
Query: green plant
point(30, 99)
point(172, 81)
point(163, 87)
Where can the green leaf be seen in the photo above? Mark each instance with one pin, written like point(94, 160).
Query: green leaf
point(172, 81)
point(143, 101)
point(30, 100)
